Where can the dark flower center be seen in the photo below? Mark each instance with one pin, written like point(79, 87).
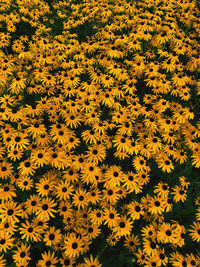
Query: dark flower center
point(2, 241)
point(122, 225)
point(111, 215)
point(40, 155)
point(168, 232)
point(74, 245)
point(51, 236)
point(33, 203)
point(22, 254)
point(30, 229)
point(153, 245)
point(45, 207)
point(46, 187)
point(157, 203)
point(137, 208)
point(17, 139)
point(162, 256)
point(27, 164)
point(110, 192)
point(10, 212)
point(48, 263)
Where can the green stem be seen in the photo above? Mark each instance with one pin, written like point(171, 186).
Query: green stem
point(102, 251)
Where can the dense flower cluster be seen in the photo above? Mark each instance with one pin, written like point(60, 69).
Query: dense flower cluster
point(99, 125)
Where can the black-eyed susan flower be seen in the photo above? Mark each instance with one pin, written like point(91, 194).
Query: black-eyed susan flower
point(96, 217)
point(93, 231)
point(96, 153)
point(131, 242)
point(165, 164)
point(130, 182)
point(90, 136)
point(73, 246)
point(149, 231)
point(135, 210)
point(48, 259)
point(112, 239)
point(80, 198)
point(179, 193)
point(192, 260)
point(162, 189)
point(6, 170)
point(165, 234)
point(66, 261)
point(30, 231)
point(156, 205)
point(194, 231)
point(26, 168)
point(111, 216)
point(6, 241)
point(141, 256)
point(40, 157)
point(25, 183)
point(123, 226)
point(110, 194)
point(46, 209)
point(64, 190)
point(177, 259)
point(7, 192)
point(91, 261)
point(21, 255)
point(113, 176)
point(10, 211)
point(139, 163)
point(31, 204)
point(121, 143)
point(52, 236)
point(15, 154)
point(150, 247)
point(8, 227)
point(44, 187)
point(89, 173)
point(95, 193)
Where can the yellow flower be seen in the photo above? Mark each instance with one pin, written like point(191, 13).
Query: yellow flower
point(123, 227)
point(131, 242)
point(30, 231)
point(21, 255)
point(10, 211)
point(80, 198)
point(195, 231)
point(179, 193)
point(96, 153)
point(48, 259)
point(92, 262)
point(52, 236)
point(46, 209)
point(165, 164)
point(26, 168)
point(73, 246)
point(6, 241)
point(111, 216)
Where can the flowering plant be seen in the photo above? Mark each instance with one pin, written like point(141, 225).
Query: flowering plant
point(100, 131)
